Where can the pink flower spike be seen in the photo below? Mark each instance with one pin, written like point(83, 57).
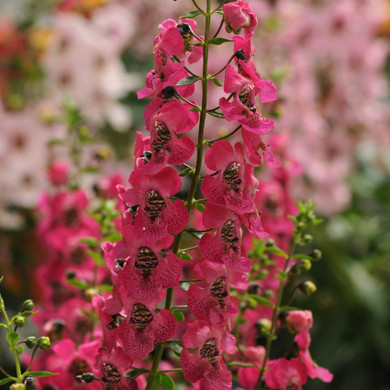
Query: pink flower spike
point(239, 15)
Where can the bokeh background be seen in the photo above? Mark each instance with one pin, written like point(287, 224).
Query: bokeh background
point(330, 61)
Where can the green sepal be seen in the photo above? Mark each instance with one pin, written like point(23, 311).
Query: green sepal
point(195, 109)
point(165, 381)
point(187, 81)
point(78, 284)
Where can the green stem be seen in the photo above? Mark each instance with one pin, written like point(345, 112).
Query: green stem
point(274, 320)
point(19, 378)
point(194, 184)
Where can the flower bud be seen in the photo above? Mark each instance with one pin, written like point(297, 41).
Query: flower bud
point(264, 325)
point(89, 293)
point(307, 239)
point(20, 321)
point(17, 386)
point(316, 254)
point(44, 343)
point(31, 342)
point(28, 305)
point(307, 288)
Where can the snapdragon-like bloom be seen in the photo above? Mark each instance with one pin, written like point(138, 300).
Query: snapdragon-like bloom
point(112, 366)
point(210, 300)
point(239, 15)
point(234, 186)
point(244, 108)
point(298, 320)
point(143, 327)
point(206, 364)
point(155, 215)
point(165, 121)
point(303, 341)
point(224, 245)
point(286, 374)
point(147, 273)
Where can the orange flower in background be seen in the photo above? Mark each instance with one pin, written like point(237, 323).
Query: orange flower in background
point(84, 7)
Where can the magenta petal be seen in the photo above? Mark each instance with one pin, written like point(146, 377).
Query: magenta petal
point(233, 80)
point(268, 92)
point(271, 160)
point(181, 150)
point(199, 301)
point(136, 345)
point(170, 272)
point(210, 247)
point(193, 367)
point(211, 189)
point(219, 155)
point(165, 326)
point(236, 262)
point(176, 217)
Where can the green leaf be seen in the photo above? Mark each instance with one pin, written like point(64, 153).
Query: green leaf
point(191, 14)
point(176, 348)
point(261, 300)
point(187, 81)
point(219, 11)
point(218, 41)
point(25, 314)
point(78, 284)
point(56, 141)
point(200, 207)
point(98, 258)
point(90, 314)
point(136, 373)
point(178, 315)
point(184, 256)
point(113, 237)
point(89, 169)
point(186, 172)
point(19, 350)
point(90, 241)
point(13, 338)
point(5, 381)
point(216, 114)
point(1, 279)
point(40, 374)
point(288, 308)
point(277, 251)
point(165, 381)
point(105, 287)
point(195, 109)
point(216, 82)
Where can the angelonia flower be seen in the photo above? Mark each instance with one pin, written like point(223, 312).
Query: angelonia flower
point(196, 265)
